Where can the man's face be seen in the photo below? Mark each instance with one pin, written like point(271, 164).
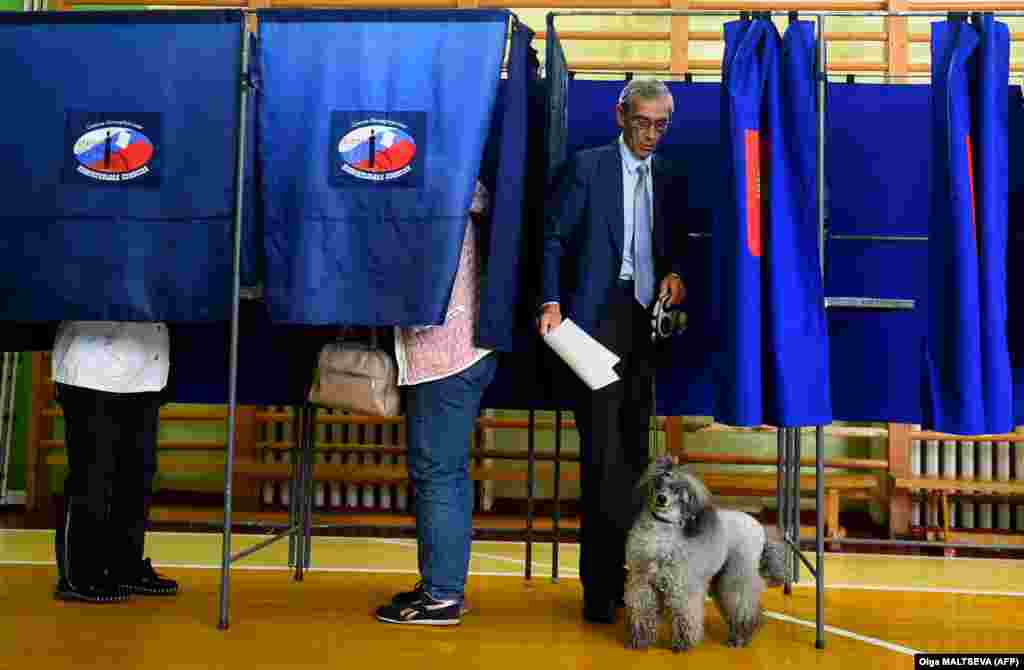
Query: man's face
point(645, 124)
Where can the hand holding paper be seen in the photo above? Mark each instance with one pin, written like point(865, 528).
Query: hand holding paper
point(589, 359)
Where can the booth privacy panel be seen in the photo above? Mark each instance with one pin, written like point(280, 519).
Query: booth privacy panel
point(369, 159)
point(117, 164)
point(878, 165)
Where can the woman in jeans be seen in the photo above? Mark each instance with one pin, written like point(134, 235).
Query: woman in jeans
point(445, 376)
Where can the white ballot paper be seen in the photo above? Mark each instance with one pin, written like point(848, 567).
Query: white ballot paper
point(589, 359)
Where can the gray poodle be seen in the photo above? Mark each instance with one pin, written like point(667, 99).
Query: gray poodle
point(681, 548)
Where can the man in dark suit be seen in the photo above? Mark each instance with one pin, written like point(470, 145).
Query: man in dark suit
point(609, 251)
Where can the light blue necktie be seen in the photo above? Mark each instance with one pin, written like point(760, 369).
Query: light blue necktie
point(643, 256)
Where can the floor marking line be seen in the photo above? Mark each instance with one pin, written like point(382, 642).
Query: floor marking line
point(845, 633)
point(476, 554)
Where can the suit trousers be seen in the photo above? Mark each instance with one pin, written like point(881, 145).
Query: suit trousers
point(110, 440)
point(613, 424)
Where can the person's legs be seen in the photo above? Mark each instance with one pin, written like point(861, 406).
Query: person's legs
point(440, 419)
point(132, 493)
point(638, 377)
point(83, 529)
point(598, 415)
point(607, 489)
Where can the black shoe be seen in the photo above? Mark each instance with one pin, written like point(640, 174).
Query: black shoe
point(599, 610)
point(147, 582)
point(90, 593)
point(406, 598)
point(421, 609)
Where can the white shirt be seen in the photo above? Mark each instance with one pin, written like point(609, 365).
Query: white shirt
point(112, 356)
point(629, 177)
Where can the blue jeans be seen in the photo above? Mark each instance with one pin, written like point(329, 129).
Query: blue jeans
point(440, 419)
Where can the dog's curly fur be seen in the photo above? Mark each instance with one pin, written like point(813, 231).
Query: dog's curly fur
point(680, 548)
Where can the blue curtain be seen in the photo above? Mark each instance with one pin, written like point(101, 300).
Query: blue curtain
point(118, 182)
point(556, 77)
point(796, 335)
point(772, 365)
point(369, 158)
point(505, 322)
point(966, 382)
point(750, 51)
point(992, 190)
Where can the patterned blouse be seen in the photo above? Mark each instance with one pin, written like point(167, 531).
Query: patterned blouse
point(426, 354)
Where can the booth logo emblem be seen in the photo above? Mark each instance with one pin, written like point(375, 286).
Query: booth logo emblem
point(377, 150)
point(113, 151)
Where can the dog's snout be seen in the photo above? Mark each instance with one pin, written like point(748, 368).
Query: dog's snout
point(661, 499)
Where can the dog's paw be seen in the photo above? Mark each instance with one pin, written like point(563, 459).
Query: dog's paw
point(680, 646)
point(638, 642)
point(738, 642)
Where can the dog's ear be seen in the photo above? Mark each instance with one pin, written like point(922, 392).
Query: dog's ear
point(700, 501)
point(700, 494)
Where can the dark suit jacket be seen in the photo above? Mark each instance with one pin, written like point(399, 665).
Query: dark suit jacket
point(584, 231)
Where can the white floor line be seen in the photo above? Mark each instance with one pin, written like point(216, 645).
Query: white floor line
point(845, 633)
point(915, 589)
point(285, 568)
point(477, 554)
point(889, 557)
point(563, 572)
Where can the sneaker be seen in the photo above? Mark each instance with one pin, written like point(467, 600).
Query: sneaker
point(91, 593)
point(406, 598)
point(423, 610)
point(148, 583)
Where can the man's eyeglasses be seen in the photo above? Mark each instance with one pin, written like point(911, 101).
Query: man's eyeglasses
point(644, 124)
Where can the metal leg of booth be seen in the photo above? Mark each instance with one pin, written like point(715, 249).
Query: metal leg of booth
point(299, 492)
point(307, 492)
point(556, 513)
point(530, 457)
point(293, 500)
point(819, 536)
point(794, 498)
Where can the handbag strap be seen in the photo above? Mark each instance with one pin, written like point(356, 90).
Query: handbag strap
point(347, 333)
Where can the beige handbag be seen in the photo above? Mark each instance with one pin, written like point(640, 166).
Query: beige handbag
point(358, 378)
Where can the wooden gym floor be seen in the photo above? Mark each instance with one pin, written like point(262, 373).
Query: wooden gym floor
point(879, 609)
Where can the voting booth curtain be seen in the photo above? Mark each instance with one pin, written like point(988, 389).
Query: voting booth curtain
point(369, 160)
point(772, 366)
point(118, 174)
point(967, 385)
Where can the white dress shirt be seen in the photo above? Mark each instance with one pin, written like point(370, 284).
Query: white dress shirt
point(112, 356)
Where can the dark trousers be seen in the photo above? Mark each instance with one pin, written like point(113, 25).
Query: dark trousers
point(613, 424)
point(110, 440)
